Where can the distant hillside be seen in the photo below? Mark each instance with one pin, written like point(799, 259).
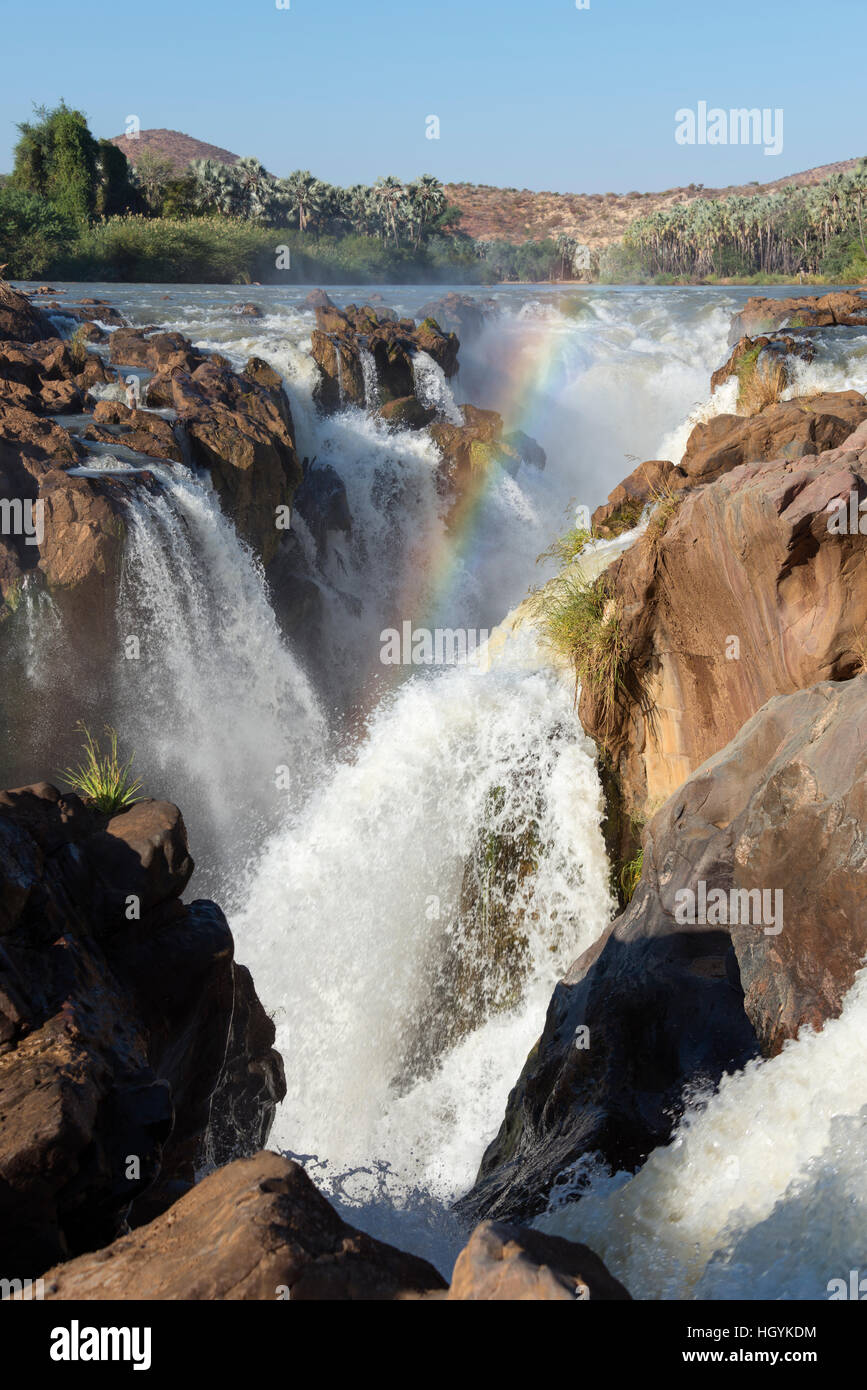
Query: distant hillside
point(172, 144)
point(595, 219)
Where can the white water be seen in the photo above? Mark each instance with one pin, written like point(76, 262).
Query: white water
point(333, 912)
point(760, 1194)
point(432, 389)
point(348, 920)
point(368, 373)
point(214, 698)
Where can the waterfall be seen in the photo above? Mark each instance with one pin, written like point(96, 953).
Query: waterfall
point(359, 883)
point(339, 359)
point(760, 1194)
point(221, 714)
point(432, 389)
point(363, 892)
point(368, 372)
point(43, 629)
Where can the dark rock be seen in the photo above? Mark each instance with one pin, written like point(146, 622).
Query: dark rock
point(116, 1006)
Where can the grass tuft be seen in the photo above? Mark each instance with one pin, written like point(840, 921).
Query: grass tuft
point(630, 875)
point(101, 779)
point(582, 622)
point(761, 382)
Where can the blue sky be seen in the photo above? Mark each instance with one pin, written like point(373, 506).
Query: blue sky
point(529, 93)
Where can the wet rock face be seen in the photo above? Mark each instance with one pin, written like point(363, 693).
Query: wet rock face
point(116, 1009)
point(342, 337)
point(256, 1229)
point(242, 432)
point(667, 1001)
point(778, 348)
point(745, 593)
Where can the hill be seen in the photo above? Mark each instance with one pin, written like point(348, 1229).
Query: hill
point(594, 219)
point(172, 144)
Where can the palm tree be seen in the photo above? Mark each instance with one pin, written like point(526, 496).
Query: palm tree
point(305, 196)
point(391, 196)
point(427, 200)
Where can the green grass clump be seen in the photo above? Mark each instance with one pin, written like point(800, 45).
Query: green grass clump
point(630, 875)
point(567, 547)
point(582, 622)
point(101, 779)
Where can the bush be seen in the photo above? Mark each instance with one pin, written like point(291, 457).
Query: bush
point(34, 235)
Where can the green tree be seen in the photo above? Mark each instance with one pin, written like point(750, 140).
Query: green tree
point(57, 156)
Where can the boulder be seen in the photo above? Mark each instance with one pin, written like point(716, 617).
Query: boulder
point(847, 308)
point(627, 501)
point(795, 428)
point(516, 1264)
point(408, 413)
point(318, 299)
point(778, 348)
point(342, 336)
point(160, 352)
point(254, 1230)
point(471, 449)
point(462, 314)
point(21, 320)
point(242, 433)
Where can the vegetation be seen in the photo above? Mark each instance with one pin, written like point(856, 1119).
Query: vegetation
point(630, 875)
point(101, 779)
point(582, 623)
point(762, 379)
point(566, 548)
point(816, 230)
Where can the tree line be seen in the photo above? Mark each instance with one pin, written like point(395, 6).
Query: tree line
point(817, 229)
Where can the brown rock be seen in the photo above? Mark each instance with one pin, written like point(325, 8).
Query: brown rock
point(646, 481)
point(341, 335)
point(805, 425)
point(113, 1027)
point(762, 315)
point(21, 320)
point(779, 347)
point(520, 1265)
point(256, 1229)
point(750, 558)
point(237, 431)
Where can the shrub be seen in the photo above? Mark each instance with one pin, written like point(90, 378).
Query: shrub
point(33, 233)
